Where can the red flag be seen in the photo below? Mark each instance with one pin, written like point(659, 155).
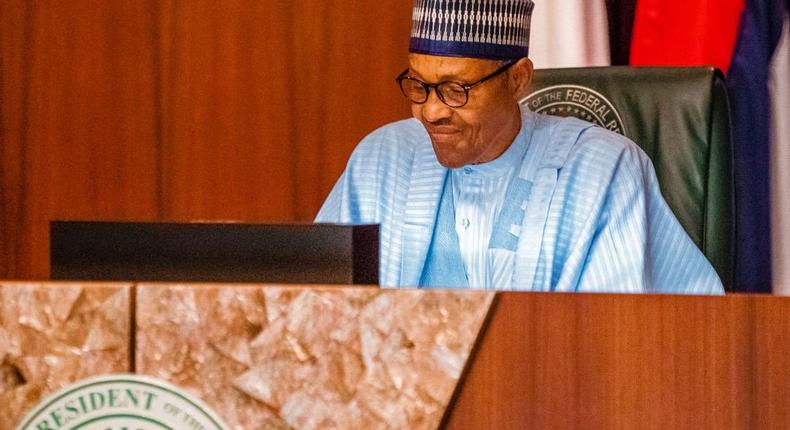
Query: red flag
point(685, 32)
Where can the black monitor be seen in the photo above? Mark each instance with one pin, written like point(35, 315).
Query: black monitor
point(214, 252)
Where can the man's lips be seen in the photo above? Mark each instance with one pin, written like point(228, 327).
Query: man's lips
point(443, 135)
point(442, 130)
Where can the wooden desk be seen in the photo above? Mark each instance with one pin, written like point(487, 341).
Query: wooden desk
point(538, 360)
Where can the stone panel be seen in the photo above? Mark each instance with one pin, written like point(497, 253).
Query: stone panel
point(318, 358)
point(57, 333)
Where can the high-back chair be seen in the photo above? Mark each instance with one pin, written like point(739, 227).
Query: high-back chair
point(680, 118)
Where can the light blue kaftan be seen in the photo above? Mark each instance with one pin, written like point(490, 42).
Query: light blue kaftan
point(583, 212)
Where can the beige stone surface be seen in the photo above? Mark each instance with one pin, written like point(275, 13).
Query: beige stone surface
point(290, 357)
point(54, 334)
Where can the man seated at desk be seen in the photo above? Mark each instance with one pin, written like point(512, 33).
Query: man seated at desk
point(476, 191)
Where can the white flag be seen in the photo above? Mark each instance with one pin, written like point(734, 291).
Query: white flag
point(779, 88)
point(569, 33)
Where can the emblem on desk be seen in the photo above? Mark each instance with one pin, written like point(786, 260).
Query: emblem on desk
point(576, 101)
point(121, 402)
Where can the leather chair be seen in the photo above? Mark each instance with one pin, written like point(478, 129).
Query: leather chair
point(680, 118)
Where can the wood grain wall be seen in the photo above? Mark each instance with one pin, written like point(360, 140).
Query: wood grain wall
point(184, 110)
point(602, 361)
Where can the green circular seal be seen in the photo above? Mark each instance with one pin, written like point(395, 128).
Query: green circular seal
point(121, 402)
point(577, 101)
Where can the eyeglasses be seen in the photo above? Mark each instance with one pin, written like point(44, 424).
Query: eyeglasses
point(452, 93)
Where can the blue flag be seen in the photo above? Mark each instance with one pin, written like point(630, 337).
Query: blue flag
point(758, 36)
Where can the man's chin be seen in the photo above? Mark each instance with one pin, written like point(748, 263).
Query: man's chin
point(451, 165)
point(448, 162)
point(447, 154)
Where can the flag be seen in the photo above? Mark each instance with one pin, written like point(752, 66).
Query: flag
point(779, 88)
point(758, 36)
point(685, 32)
point(621, 26)
point(569, 33)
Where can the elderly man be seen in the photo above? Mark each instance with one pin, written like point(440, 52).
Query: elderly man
point(476, 191)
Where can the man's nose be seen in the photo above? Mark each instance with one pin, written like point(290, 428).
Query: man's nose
point(434, 109)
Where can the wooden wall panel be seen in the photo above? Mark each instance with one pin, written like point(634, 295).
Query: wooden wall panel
point(79, 135)
point(264, 101)
point(769, 342)
point(13, 65)
point(171, 110)
point(344, 69)
point(225, 102)
point(595, 361)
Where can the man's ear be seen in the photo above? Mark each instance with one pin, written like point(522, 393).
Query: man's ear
point(521, 77)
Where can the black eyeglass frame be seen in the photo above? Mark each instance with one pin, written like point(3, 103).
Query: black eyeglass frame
point(404, 76)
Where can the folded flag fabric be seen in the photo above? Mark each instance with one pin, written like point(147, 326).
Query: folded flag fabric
point(759, 34)
point(779, 88)
point(685, 32)
point(569, 33)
